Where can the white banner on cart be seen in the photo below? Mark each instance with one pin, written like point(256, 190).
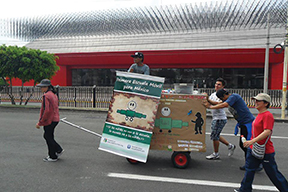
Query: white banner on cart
point(132, 112)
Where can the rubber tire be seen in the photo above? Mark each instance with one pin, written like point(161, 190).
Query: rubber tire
point(132, 161)
point(180, 160)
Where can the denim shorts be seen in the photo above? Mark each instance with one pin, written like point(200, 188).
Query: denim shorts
point(216, 128)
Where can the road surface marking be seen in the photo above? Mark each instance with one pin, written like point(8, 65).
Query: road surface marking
point(187, 181)
point(229, 134)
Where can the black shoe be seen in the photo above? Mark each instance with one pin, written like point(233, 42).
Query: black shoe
point(242, 168)
point(236, 190)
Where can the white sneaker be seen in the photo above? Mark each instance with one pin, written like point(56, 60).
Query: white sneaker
point(48, 159)
point(213, 156)
point(231, 150)
point(59, 154)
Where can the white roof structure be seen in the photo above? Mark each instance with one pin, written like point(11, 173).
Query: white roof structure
point(217, 25)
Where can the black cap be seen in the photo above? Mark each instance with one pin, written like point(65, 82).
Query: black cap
point(220, 93)
point(44, 83)
point(138, 54)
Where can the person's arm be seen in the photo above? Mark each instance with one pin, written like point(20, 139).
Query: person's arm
point(218, 106)
point(213, 102)
point(46, 112)
point(131, 69)
point(147, 71)
point(260, 137)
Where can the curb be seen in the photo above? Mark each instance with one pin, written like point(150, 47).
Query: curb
point(29, 107)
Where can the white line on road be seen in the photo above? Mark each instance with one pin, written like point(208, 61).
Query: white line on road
point(187, 181)
point(229, 134)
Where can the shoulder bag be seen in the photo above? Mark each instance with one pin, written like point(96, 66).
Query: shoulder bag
point(258, 151)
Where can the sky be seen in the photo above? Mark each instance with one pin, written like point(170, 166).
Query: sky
point(22, 8)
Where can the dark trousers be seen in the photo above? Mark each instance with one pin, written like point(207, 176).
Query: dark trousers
point(244, 132)
point(53, 146)
point(271, 169)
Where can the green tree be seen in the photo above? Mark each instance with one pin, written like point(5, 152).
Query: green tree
point(7, 70)
point(25, 64)
point(42, 66)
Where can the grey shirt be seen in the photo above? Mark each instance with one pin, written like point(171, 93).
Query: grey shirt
point(140, 69)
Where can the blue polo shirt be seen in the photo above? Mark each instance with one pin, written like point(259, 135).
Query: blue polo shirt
point(239, 109)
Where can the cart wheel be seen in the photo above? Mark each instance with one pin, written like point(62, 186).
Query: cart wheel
point(180, 159)
point(132, 161)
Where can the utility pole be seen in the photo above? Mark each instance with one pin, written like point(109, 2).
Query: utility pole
point(266, 67)
point(284, 88)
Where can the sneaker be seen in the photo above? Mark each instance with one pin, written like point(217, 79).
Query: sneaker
point(231, 150)
point(236, 190)
point(60, 153)
point(48, 159)
point(213, 156)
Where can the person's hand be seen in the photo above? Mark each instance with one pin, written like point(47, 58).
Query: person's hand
point(205, 94)
point(37, 126)
point(248, 143)
point(206, 104)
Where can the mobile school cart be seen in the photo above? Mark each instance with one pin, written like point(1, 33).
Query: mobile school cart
point(180, 127)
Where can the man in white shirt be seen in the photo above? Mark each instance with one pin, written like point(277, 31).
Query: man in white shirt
point(219, 120)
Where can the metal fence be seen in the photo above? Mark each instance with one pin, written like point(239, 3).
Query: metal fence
point(99, 97)
point(82, 97)
point(246, 94)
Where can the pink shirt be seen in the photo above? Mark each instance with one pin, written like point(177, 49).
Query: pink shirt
point(49, 111)
point(263, 121)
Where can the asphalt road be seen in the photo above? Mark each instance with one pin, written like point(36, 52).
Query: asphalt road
point(85, 168)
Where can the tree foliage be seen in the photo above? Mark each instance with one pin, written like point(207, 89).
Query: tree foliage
point(26, 65)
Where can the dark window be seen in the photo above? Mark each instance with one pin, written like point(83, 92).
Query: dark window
point(201, 77)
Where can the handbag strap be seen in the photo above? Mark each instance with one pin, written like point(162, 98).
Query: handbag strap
point(266, 139)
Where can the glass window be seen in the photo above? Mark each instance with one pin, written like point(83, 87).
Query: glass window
point(201, 77)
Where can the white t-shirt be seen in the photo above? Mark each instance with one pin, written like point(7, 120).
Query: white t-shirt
point(217, 113)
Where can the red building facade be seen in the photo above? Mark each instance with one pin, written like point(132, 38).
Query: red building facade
point(203, 59)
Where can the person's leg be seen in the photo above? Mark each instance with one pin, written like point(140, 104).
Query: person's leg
point(58, 148)
point(273, 173)
point(223, 140)
point(244, 132)
point(216, 146)
point(53, 146)
point(251, 165)
point(216, 128)
point(213, 137)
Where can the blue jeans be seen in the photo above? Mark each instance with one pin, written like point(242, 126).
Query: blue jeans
point(270, 168)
